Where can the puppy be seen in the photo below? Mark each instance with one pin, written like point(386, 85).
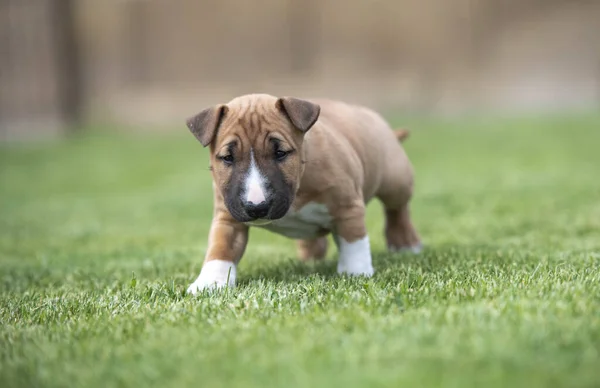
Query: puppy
point(303, 169)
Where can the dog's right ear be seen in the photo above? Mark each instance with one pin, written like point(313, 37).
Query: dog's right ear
point(205, 124)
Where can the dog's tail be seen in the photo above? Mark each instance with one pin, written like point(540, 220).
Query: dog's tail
point(401, 134)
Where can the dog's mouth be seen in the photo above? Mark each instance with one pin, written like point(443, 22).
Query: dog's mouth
point(277, 212)
point(278, 207)
point(259, 222)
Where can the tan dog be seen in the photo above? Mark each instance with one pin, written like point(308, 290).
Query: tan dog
point(302, 169)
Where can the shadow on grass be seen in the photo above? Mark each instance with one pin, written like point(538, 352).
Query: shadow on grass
point(433, 260)
point(292, 270)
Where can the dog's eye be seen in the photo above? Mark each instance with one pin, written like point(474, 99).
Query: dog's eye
point(228, 159)
point(281, 155)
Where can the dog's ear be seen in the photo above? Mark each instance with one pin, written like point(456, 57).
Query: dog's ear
point(303, 114)
point(204, 125)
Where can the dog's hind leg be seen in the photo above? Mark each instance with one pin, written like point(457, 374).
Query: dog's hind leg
point(395, 195)
point(314, 249)
point(400, 234)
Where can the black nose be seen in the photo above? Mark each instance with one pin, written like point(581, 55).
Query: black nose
point(258, 211)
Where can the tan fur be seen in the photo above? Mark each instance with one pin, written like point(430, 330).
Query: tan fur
point(401, 134)
point(312, 249)
point(246, 122)
point(347, 158)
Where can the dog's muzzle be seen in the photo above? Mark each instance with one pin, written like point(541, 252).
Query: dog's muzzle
point(257, 211)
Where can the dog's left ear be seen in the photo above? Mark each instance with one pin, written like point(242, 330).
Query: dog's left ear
point(303, 114)
point(205, 124)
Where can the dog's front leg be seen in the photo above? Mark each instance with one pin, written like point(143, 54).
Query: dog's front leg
point(226, 244)
point(352, 240)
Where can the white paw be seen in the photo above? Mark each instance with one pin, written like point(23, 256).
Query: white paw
point(356, 271)
point(355, 257)
point(200, 285)
point(416, 249)
point(215, 274)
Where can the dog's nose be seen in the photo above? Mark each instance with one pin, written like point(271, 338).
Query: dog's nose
point(257, 211)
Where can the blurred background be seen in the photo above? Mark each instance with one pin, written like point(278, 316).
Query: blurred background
point(144, 63)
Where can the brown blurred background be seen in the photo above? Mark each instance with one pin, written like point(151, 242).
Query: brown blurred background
point(154, 62)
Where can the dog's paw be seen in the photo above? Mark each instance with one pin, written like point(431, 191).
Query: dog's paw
point(199, 286)
point(415, 249)
point(355, 258)
point(215, 274)
point(356, 270)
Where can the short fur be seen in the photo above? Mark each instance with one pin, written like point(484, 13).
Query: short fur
point(337, 154)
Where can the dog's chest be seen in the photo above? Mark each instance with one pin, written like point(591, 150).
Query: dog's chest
point(305, 223)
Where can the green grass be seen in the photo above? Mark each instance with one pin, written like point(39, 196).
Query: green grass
point(101, 234)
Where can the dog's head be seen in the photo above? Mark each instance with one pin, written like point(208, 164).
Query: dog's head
point(256, 152)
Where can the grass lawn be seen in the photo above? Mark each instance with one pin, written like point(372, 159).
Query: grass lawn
point(101, 234)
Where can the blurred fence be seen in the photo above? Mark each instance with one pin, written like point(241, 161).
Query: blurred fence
point(150, 61)
point(39, 83)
